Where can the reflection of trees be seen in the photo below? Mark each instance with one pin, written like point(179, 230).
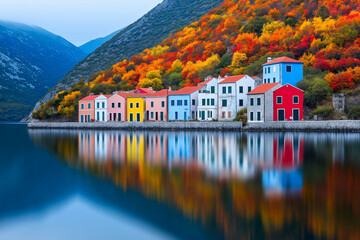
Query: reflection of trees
point(327, 207)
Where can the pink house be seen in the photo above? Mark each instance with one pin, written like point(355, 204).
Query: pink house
point(116, 107)
point(87, 108)
point(156, 106)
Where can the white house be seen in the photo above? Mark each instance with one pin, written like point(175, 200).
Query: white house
point(208, 99)
point(232, 95)
point(101, 108)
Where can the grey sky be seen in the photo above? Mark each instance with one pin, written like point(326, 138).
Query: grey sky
point(78, 21)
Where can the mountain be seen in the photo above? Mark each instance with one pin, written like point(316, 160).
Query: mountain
point(237, 38)
point(92, 45)
point(146, 32)
point(32, 60)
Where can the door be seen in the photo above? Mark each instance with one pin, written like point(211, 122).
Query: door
point(82, 118)
point(161, 116)
point(131, 117)
point(147, 115)
point(89, 120)
point(185, 116)
point(203, 115)
point(296, 115)
point(114, 116)
point(281, 115)
point(138, 117)
point(119, 116)
point(176, 115)
point(156, 116)
point(103, 116)
point(98, 116)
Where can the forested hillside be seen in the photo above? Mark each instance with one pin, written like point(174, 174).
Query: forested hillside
point(166, 18)
point(235, 38)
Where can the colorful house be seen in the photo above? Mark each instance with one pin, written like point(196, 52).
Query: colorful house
point(136, 107)
point(87, 108)
point(283, 70)
point(101, 108)
point(288, 103)
point(208, 99)
point(260, 103)
point(182, 104)
point(157, 106)
point(116, 107)
point(232, 95)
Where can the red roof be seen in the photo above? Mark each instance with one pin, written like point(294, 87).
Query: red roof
point(145, 90)
point(205, 82)
point(263, 88)
point(232, 79)
point(161, 93)
point(255, 77)
point(89, 98)
point(138, 95)
point(282, 60)
point(186, 90)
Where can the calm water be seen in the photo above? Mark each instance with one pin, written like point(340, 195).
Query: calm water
point(62, 184)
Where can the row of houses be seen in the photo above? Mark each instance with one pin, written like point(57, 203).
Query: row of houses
point(214, 99)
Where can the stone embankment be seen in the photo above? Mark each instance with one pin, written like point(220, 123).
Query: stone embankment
point(303, 126)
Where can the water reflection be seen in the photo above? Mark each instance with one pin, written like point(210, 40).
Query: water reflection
point(254, 185)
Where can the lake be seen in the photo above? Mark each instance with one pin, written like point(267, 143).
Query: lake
point(83, 184)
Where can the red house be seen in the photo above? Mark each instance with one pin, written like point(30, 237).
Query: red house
point(288, 103)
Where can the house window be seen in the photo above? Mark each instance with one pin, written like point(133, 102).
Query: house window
point(258, 101)
point(268, 69)
point(212, 89)
point(193, 102)
point(203, 102)
point(278, 100)
point(296, 99)
point(268, 80)
point(251, 101)
point(113, 105)
point(103, 105)
point(162, 103)
point(119, 104)
point(137, 105)
point(185, 103)
point(172, 102)
point(241, 89)
point(131, 105)
point(89, 105)
point(224, 102)
point(251, 116)
point(212, 102)
point(98, 105)
point(229, 89)
point(288, 69)
point(258, 116)
point(179, 102)
point(224, 90)
point(208, 101)
point(152, 104)
point(249, 89)
point(274, 80)
point(265, 70)
point(229, 114)
point(82, 107)
point(241, 102)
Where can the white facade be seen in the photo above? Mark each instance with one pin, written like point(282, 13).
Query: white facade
point(101, 108)
point(208, 100)
point(232, 95)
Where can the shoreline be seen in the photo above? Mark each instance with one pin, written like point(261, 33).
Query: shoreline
point(302, 126)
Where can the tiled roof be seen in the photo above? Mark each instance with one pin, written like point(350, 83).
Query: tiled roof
point(161, 93)
point(232, 79)
point(186, 90)
point(89, 98)
point(205, 82)
point(282, 60)
point(147, 90)
point(263, 88)
point(138, 95)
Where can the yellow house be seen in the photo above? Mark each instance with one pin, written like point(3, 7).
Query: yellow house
point(136, 108)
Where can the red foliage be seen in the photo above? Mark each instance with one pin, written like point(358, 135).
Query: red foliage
point(323, 65)
point(340, 81)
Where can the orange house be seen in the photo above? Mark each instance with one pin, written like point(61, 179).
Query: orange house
point(87, 108)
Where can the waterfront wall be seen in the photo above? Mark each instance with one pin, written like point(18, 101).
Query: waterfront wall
point(302, 126)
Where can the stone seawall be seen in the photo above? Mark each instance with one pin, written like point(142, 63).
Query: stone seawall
point(204, 126)
point(306, 126)
point(303, 126)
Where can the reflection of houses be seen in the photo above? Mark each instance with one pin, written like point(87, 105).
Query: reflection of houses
point(278, 182)
point(179, 147)
point(156, 148)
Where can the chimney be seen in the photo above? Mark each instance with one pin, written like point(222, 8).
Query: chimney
point(116, 92)
point(169, 88)
point(101, 93)
point(150, 88)
point(269, 59)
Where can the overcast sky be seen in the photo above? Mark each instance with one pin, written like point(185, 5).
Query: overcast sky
point(78, 21)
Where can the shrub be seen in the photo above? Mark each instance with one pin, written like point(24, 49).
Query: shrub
point(354, 113)
point(242, 116)
point(324, 112)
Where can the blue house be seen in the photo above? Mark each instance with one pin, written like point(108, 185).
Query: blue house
point(182, 104)
point(283, 70)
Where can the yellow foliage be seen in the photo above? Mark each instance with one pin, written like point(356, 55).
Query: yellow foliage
point(238, 71)
point(153, 74)
point(158, 50)
point(57, 95)
point(177, 65)
point(309, 60)
point(155, 83)
point(238, 60)
point(272, 26)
